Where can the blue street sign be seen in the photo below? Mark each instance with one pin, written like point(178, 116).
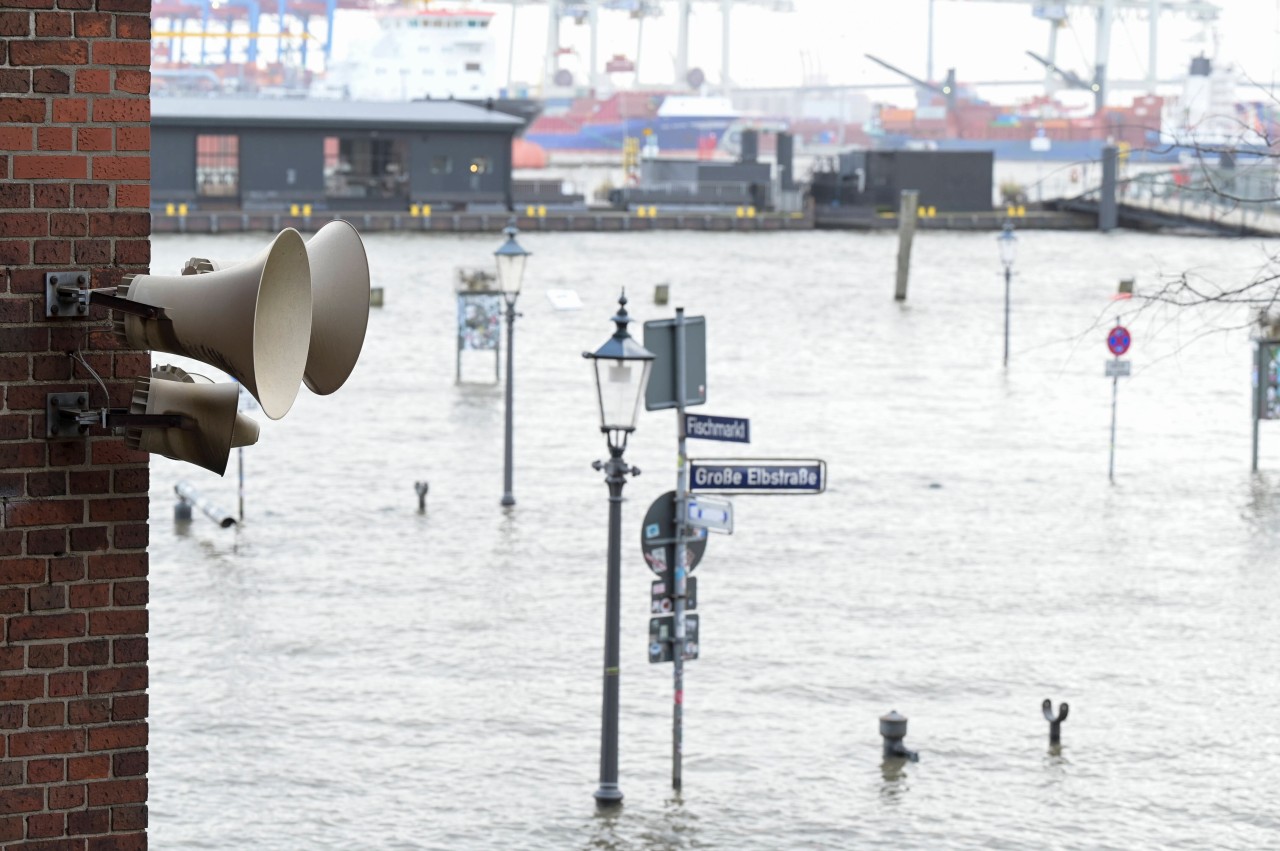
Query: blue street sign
point(740, 475)
point(703, 427)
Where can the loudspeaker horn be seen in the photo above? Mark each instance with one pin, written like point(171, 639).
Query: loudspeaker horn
point(252, 320)
point(219, 426)
point(340, 303)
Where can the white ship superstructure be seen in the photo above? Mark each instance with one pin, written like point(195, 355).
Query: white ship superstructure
point(420, 53)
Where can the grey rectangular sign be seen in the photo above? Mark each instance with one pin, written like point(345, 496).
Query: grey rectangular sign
point(704, 427)
point(1118, 368)
point(660, 338)
point(742, 475)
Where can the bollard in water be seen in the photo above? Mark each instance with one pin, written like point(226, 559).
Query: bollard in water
point(661, 292)
point(182, 512)
point(1055, 724)
point(421, 488)
point(893, 727)
point(375, 296)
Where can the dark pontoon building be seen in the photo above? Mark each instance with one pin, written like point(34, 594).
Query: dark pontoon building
point(343, 156)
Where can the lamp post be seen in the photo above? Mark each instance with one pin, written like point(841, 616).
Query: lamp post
point(510, 259)
point(1008, 243)
point(622, 372)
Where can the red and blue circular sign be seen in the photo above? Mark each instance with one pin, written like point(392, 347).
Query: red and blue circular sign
point(1118, 340)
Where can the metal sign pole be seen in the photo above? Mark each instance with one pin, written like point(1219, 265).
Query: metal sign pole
point(678, 574)
point(1258, 396)
point(1115, 387)
point(240, 459)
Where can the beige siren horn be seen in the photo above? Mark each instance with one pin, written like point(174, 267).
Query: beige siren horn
point(217, 427)
point(340, 303)
point(252, 320)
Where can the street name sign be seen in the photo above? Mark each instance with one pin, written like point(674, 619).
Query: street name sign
point(710, 513)
point(704, 427)
point(748, 476)
point(1117, 368)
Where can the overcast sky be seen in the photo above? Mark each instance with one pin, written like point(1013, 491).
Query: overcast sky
point(983, 40)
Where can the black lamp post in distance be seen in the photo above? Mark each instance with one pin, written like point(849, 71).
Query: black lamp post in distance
point(510, 259)
point(1008, 244)
point(621, 369)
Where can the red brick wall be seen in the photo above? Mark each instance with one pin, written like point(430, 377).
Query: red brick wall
point(74, 192)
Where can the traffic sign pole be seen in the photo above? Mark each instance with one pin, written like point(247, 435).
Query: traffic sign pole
point(678, 569)
point(1118, 341)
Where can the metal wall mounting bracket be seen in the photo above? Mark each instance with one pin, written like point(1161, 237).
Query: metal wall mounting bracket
point(66, 294)
point(62, 415)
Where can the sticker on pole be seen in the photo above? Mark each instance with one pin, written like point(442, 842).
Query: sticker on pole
point(658, 537)
point(1118, 340)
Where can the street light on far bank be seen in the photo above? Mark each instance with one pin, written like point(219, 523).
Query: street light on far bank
point(1008, 243)
point(510, 259)
point(621, 369)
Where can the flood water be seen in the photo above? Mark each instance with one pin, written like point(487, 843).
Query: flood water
point(343, 672)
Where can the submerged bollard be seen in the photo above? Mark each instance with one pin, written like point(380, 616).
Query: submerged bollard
point(421, 488)
point(1055, 724)
point(182, 511)
point(661, 293)
point(893, 727)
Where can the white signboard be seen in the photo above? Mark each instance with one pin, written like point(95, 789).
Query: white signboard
point(1118, 368)
point(708, 513)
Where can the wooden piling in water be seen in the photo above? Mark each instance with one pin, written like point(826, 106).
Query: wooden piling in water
point(906, 232)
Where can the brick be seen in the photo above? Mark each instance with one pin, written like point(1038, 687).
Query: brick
point(11, 543)
point(22, 110)
point(133, 138)
point(129, 817)
point(11, 828)
point(53, 24)
point(94, 595)
point(131, 707)
point(92, 25)
point(46, 542)
point(70, 110)
point(17, 24)
point(112, 622)
point(52, 196)
point(133, 195)
point(49, 53)
point(14, 427)
point(117, 842)
point(69, 684)
point(43, 627)
point(24, 224)
point(118, 737)
point(124, 566)
point(14, 196)
point(22, 571)
point(92, 711)
point(68, 224)
point(21, 801)
point(46, 655)
point(121, 168)
point(133, 26)
point(89, 539)
point(44, 825)
point(46, 742)
point(66, 453)
point(83, 654)
point(115, 452)
point(128, 594)
point(119, 53)
point(51, 252)
point(92, 252)
point(54, 138)
point(133, 82)
point(125, 6)
point(90, 195)
point(50, 81)
point(130, 537)
point(46, 714)
point(93, 139)
point(116, 223)
point(29, 4)
point(66, 569)
point(120, 508)
point(15, 455)
point(134, 251)
point(12, 602)
point(13, 253)
point(43, 598)
point(10, 719)
point(117, 679)
point(10, 773)
point(64, 167)
point(90, 481)
point(117, 792)
point(125, 651)
point(48, 512)
point(66, 797)
point(129, 764)
point(15, 81)
point(94, 81)
point(83, 822)
point(46, 770)
point(17, 139)
point(92, 767)
point(22, 687)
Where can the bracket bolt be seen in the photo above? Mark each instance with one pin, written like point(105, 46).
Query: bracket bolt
point(53, 308)
point(53, 279)
point(80, 280)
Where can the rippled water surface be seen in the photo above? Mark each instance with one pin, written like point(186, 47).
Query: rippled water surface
point(345, 673)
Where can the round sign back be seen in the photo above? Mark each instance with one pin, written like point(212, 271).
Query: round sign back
point(1118, 340)
point(657, 537)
